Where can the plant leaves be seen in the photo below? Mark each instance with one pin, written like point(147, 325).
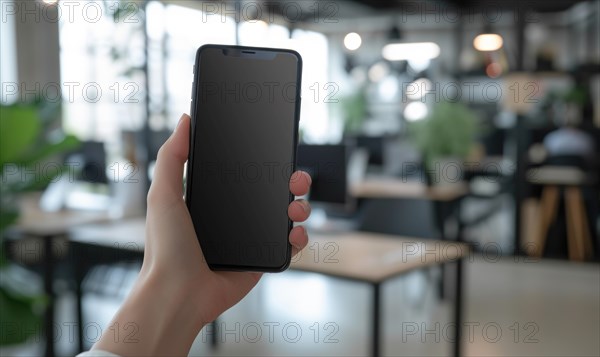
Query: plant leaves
point(68, 142)
point(19, 128)
point(19, 320)
point(449, 131)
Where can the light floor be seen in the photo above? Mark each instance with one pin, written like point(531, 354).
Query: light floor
point(512, 308)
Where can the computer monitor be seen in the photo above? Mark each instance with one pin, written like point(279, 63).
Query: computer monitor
point(374, 146)
point(89, 160)
point(327, 166)
point(140, 148)
point(157, 139)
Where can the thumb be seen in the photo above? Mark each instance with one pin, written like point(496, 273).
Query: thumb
point(167, 184)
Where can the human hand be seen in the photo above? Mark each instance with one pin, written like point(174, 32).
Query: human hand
point(175, 284)
point(172, 247)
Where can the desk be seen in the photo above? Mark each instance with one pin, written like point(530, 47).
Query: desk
point(445, 198)
point(388, 187)
point(35, 222)
point(361, 257)
point(376, 258)
point(48, 226)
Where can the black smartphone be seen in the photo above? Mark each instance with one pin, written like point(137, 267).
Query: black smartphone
point(243, 139)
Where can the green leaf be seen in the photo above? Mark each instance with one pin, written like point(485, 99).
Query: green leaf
point(68, 142)
point(19, 320)
point(19, 128)
point(7, 217)
point(449, 131)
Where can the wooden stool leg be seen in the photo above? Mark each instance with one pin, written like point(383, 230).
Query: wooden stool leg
point(580, 212)
point(549, 206)
point(575, 220)
point(573, 225)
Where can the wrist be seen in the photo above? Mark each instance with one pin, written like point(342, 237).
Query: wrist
point(161, 316)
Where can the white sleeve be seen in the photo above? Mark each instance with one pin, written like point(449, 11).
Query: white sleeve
point(97, 353)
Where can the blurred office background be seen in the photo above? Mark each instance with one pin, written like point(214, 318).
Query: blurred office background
point(421, 121)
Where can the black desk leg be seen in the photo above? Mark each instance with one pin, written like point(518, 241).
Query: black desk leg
point(376, 338)
point(458, 309)
point(79, 276)
point(441, 283)
point(439, 217)
point(48, 282)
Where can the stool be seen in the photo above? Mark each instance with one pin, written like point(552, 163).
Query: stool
point(579, 243)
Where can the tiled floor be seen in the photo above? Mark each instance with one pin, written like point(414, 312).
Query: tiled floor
point(521, 308)
point(513, 308)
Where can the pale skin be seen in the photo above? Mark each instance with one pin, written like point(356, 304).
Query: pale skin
point(176, 294)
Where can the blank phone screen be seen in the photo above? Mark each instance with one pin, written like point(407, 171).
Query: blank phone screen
point(244, 136)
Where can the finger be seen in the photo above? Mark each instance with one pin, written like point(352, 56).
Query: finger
point(168, 171)
point(300, 183)
point(299, 210)
point(298, 239)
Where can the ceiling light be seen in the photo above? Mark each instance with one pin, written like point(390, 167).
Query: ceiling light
point(415, 111)
point(411, 51)
point(352, 41)
point(388, 88)
point(359, 74)
point(419, 64)
point(488, 42)
point(418, 89)
point(378, 71)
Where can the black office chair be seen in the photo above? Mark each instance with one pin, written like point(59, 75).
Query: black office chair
point(404, 217)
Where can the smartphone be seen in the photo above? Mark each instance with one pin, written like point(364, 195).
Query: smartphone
point(244, 133)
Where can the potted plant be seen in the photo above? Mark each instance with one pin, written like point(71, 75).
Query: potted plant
point(354, 111)
point(26, 139)
point(445, 138)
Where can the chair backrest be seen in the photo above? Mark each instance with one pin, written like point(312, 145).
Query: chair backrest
point(405, 217)
point(567, 160)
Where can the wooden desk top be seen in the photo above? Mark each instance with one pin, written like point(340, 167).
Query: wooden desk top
point(387, 187)
point(373, 257)
point(127, 234)
point(34, 221)
point(353, 255)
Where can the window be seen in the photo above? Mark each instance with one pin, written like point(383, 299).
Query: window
point(101, 76)
point(102, 68)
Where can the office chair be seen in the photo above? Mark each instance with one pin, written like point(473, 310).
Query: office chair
point(404, 217)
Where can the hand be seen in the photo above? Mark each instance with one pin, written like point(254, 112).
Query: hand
point(176, 293)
